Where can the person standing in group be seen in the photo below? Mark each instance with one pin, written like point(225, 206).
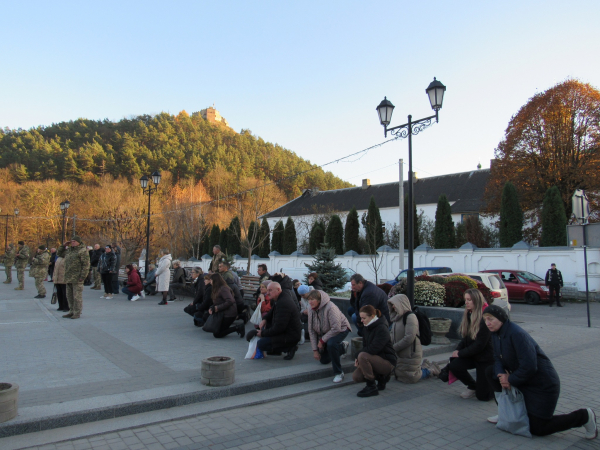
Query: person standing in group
point(520, 362)
point(163, 274)
point(59, 284)
point(94, 260)
point(117, 251)
point(52, 263)
point(107, 267)
point(77, 266)
point(39, 269)
point(218, 257)
point(9, 260)
point(21, 260)
point(554, 281)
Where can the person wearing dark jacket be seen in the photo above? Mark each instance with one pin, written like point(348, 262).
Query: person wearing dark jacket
point(313, 280)
point(201, 314)
point(94, 260)
point(263, 275)
point(280, 329)
point(377, 358)
point(554, 281)
point(107, 267)
point(223, 301)
point(115, 276)
point(178, 279)
point(53, 257)
point(368, 293)
point(285, 282)
point(520, 362)
point(149, 283)
point(474, 351)
point(229, 278)
point(198, 282)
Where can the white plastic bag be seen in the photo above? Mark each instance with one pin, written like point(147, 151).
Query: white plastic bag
point(252, 348)
point(256, 318)
point(512, 413)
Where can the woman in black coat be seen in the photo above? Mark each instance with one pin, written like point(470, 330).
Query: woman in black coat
point(520, 362)
point(223, 302)
point(198, 282)
point(313, 280)
point(201, 314)
point(474, 351)
point(377, 358)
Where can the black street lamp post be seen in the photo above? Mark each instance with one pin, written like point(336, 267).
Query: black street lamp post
point(435, 91)
point(149, 190)
point(64, 206)
point(6, 216)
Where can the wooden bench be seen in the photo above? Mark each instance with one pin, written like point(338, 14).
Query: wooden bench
point(250, 284)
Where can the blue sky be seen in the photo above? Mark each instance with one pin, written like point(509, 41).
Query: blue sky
point(306, 75)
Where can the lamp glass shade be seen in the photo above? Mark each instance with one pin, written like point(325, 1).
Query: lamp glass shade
point(385, 110)
point(144, 182)
point(62, 205)
point(156, 176)
point(16, 211)
point(67, 204)
point(435, 91)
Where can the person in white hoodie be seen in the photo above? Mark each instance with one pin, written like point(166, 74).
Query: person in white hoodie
point(163, 274)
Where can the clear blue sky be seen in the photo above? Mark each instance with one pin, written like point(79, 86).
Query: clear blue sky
point(307, 75)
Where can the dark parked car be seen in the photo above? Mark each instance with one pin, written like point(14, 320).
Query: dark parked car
point(523, 286)
point(420, 271)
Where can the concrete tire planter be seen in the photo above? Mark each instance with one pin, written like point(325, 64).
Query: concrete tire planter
point(440, 327)
point(218, 371)
point(9, 396)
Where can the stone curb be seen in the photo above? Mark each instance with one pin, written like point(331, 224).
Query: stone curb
point(48, 422)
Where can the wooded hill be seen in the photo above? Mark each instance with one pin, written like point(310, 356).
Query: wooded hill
point(189, 147)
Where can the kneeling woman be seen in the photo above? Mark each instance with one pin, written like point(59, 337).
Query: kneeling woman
point(474, 351)
point(223, 301)
point(404, 334)
point(327, 327)
point(377, 358)
point(520, 362)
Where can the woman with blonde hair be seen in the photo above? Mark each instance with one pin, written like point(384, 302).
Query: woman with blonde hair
point(474, 351)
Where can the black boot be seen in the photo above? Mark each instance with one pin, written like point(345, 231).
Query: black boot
point(369, 390)
point(382, 381)
point(291, 353)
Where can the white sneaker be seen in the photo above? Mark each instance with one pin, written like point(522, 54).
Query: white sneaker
point(134, 298)
point(493, 419)
point(338, 378)
point(109, 296)
point(345, 344)
point(143, 294)
point(468, 393)
point(302, 338)
point(591, 429)
point(104, 296)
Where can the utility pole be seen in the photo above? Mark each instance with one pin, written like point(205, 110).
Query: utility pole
point(401, 215)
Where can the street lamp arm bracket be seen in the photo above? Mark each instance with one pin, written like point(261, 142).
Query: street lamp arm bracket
point(402, 131)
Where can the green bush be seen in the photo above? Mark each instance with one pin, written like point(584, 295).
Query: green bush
point(465, 279)
point(428, 293)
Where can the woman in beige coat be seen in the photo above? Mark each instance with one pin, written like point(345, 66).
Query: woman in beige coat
point(59, 284)
point(405, 341)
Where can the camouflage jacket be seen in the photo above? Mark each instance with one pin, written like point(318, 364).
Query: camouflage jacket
point(9, 256)
point(39, 265)
point(214, 265)
point(22, 257)
point(77, 263)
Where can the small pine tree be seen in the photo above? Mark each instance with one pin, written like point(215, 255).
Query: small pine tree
point(215, 235)
point(373, 227)
point(223, 240)
point(265, 246)
point(511, 217)
point(290, 241)
point(335, 234)
point(234, 246)
point(416, 234)
point(444, 226)
point(317, 237)
point(277, 239)
point(461, 234)
point(332, 275)
point(554, 219)
point(351, 231)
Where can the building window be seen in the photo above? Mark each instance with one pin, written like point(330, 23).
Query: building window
point(463, 217)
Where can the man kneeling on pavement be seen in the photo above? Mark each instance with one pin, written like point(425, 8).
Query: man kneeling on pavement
point(280, 330)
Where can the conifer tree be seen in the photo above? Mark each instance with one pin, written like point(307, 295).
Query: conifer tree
point(234, 246)
point(511, 217)
point(332, 275)
point(223, 240)
point(206, 246)
point(554, 219)
point(290, 241)
point(215, 235)
point(351, 231)
point(444, 226)
point(277, 239)
point(265, 246)
point(417, 237)
point(373, 227)
point(335, 234)
point(316, 238)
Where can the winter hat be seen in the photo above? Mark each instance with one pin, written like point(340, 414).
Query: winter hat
point(21, 243)
point(497, 312)
point(303, 289)
point(41, 247)
point(76, 238)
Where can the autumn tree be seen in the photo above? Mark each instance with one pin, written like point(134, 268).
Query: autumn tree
point(553, 140)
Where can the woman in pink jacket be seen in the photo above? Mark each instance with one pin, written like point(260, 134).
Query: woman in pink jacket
point(327, 327)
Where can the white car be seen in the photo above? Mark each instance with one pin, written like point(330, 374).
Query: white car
point(495, 284)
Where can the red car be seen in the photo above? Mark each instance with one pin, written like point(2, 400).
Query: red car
point(523, 286)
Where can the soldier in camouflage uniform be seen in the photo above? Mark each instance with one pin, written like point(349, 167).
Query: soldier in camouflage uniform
point(21, 261)
point(9, 261)
point(77, 266)
point(39, 270)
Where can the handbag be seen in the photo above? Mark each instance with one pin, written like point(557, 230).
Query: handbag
point(54, 297)
point(512, 413)
point(213, 323)
point(256, 318)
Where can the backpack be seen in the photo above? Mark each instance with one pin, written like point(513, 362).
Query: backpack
point(424, 326)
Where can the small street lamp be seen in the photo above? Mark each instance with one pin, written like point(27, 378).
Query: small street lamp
point(6, 216)
point(64, 206)
point(435, 92)
point(149, 190)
